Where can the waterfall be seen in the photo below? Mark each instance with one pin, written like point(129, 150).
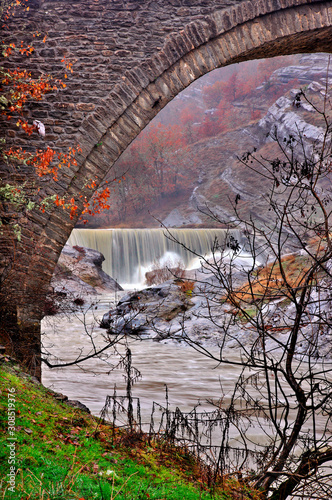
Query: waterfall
point(130, 252)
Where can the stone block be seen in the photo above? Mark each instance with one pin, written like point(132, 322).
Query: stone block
point(103, 158)
point(145, 101)
point(85, 106)
point(210, 56)
point(136, 117)
point(196, 33)
point(319, 15)
point(140, 75)
point(185, 43)
point(218, 54)
point(163, 88)
point(256, 32)
point(200, 62)
point(160, 63)
point(128, 125)
point(184, 70)
point(141, 115)
point(89, 133)
point(112, 144)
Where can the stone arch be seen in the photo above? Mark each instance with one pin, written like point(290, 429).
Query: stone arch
point(249, 30)
point(245, 30)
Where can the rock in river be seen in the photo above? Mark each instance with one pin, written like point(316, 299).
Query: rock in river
point(79, 272)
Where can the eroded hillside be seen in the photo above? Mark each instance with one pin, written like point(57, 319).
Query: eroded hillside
point(187, 163)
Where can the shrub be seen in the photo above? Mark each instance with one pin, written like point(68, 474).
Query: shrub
point(186, 287)
point(51, 308)
point(79, 301)
point(163, 272)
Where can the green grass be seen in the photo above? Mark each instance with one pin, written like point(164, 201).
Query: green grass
point(63, 453)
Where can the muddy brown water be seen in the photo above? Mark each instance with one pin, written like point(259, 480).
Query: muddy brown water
point(190, 377)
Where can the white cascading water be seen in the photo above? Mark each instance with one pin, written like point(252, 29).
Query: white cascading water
point(130, 253)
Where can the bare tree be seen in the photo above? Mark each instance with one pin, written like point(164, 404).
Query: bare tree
point(279, 318)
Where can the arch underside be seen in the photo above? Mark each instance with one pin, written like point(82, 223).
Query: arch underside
point(146, 89)
point(299, 30)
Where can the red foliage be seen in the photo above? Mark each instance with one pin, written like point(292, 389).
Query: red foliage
point(212, 94)
point(255, 114)
point(23, 87)
point(8, 9)
point(155, 166)
point(17, 86)
point(209, 128)
point(43, 159)
point(190, 116)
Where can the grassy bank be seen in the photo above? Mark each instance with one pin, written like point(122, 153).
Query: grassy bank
point(59, 452)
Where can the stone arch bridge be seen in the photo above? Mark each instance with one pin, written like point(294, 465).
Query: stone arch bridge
point(129, 59)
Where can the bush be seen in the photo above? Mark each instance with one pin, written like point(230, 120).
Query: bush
point(51, 308)
point(163, 272)
point(79, 301)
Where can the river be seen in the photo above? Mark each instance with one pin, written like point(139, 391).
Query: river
point(190, 377)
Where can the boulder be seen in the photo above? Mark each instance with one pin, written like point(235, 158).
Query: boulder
point(77, 404)
point(136, 312)
point(79, 272)
point(176, 219)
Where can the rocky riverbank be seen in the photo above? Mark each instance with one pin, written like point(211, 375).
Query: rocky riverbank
point(77, 276)
point(63, 450)
point(191, 308)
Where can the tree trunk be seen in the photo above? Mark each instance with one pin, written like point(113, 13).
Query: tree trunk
point(310, 462)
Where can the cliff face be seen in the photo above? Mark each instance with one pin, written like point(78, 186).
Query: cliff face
point(223, 178)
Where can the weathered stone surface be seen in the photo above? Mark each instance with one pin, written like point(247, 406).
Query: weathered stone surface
point(289, 123)
point(166, 314)
point(79, 273)
point(176, 219)
point(139, 312)
point(313, 71)
point(74, 403)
